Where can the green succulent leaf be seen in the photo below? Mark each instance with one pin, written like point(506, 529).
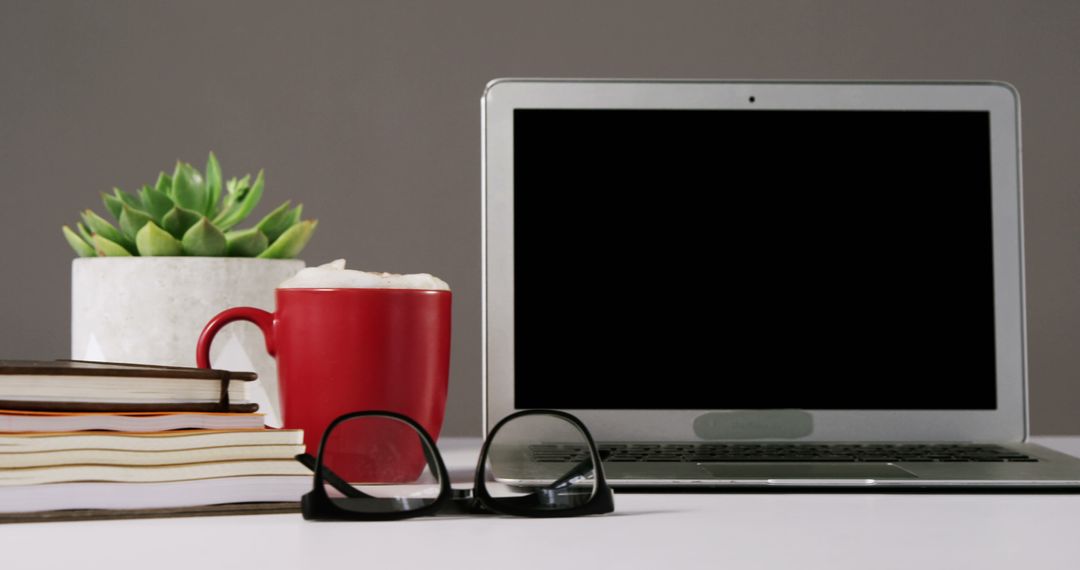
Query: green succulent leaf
point(81, 247)
point(164, 184)
point(132, 220)
point(103, 228)
point(152, 240)
point(246, 243)
point(127, 198)
point(155, 202)
point(294, 216)
point(230, 199)
point(189, 188)
point(179, 220)
point(234, 185)
point(113, 204)
point(245, 202)
point(108, 248)
point(291, 242)
point(236, 190)
point(213, 184)
point(204, 240)
point(85, 233)
point(275, 223)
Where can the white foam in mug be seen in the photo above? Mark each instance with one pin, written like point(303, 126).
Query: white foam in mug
point(333, 275)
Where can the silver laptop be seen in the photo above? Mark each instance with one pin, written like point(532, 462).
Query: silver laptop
point(764, 283)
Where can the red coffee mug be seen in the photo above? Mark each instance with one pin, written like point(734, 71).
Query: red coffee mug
point(347, 350)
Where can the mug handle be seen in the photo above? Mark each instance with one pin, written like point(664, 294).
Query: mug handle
point(259, 317)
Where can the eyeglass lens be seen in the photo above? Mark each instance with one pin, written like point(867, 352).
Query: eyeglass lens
point(539, 462)
point(378, 464)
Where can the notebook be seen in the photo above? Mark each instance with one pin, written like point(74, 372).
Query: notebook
point(77, 386)
point(38, 421)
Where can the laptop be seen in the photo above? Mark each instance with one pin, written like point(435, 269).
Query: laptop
point(764, 284)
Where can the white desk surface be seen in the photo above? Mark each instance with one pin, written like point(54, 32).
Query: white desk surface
point(662, 531)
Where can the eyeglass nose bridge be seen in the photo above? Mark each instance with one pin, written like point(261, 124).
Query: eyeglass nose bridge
point(461, 494)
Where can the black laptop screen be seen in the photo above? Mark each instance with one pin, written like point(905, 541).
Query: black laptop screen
point(723, 259)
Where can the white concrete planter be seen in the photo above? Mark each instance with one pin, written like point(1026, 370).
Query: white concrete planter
point(150, 310)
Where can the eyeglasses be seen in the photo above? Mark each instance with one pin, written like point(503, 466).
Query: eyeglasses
point(380, 465)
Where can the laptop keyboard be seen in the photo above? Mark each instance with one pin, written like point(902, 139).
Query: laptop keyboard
point(784, 452)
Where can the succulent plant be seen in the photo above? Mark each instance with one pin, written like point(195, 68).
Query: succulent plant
point(188, 214)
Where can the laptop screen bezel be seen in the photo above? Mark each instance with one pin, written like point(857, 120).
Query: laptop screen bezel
point(1006, 423)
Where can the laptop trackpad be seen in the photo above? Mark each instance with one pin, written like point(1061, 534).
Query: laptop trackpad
point(806, 471)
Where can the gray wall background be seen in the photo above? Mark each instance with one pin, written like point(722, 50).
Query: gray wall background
point(368, 112)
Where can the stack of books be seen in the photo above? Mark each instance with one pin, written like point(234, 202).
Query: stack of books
point(103, 440)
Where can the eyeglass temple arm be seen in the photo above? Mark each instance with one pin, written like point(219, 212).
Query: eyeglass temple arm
point(575, 473)
point(329, 476)
point(578, 471)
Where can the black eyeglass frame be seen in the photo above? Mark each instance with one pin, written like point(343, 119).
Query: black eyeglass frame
point(316, 504)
